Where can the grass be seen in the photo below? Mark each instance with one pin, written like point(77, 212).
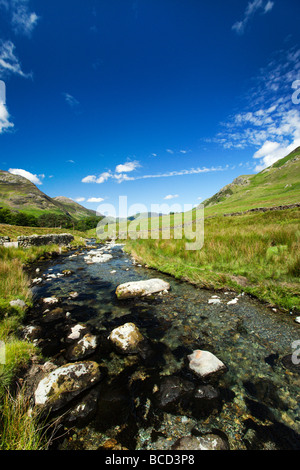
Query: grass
point(18, 429)
point(257, 253)
point(13, 231)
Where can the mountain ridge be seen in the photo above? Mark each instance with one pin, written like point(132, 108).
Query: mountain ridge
point(19, 194)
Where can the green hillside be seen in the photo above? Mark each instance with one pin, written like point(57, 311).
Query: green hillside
point(275, 186)
point(73, 208)
point(19, 194)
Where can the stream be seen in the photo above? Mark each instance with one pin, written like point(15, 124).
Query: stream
point(258, 396)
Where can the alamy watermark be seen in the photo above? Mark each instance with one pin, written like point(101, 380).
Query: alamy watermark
point(2, 353)
point(165, 222)
point(296, 94)
point(296, 353)
point(2, 92)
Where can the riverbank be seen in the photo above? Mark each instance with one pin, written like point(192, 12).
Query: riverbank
point(146, 400)
point(255, 253)
point(18, 430)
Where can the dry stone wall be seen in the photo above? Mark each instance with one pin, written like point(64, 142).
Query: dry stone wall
point(39, 240)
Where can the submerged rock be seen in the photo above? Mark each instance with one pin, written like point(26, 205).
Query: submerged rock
point(172, 391)
point(207, 442)
point(141, 288)
point(83, 412)
point(126, 338)
point(64, 383)
point(204, 363)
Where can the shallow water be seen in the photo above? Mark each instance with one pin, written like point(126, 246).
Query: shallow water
point(260, 396)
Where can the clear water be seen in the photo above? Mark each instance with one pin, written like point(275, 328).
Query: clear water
point(260, 397)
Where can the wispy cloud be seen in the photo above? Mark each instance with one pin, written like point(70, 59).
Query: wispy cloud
point(72, 102)
point(26, 174)
point(9, 63)
point(124, 177)
point(95, 199)
point(79, 199)
point(171, 196)
point(23, 21)
point(5, 123)
point(270, 121)
point(252, 8)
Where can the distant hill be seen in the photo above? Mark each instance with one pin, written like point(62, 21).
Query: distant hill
point(19, 194)
point(276, 185)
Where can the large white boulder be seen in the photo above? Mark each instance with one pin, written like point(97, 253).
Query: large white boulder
point(64, 383)
point(141, 288)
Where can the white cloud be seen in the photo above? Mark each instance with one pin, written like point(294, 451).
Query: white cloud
point(171, 196)
point(120, 177)
point(271, 120)
point(269, 154)
point(26, 174)
point(9, 64)
point(71, 100)
point(95, 199)
point(252, 7)
point(127, 167)
point(89, 179)
point(169, 151)
point(22, 20)
point(269, 6)
point(80, 199)
point(5, 124)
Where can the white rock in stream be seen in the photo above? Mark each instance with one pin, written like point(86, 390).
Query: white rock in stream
point(76, 332)
point(141, 288)
point(64, 383)
point(97, 257)
point(214, 301)
point(50, 300)
point(233, 301)
point(204, 363)
point(126, 337)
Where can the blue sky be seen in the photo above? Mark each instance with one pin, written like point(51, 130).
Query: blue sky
point(162, 101)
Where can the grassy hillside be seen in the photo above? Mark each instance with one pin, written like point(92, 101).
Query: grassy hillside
point(20, 194)
point(277, 185)
point(73, 208)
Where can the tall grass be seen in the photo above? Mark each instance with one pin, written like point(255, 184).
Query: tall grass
point(263, 248)
point(18, 430)
point(20, 427)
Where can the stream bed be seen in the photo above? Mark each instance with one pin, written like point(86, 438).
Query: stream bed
point(257, 404)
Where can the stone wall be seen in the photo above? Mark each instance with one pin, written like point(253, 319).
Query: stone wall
point(51, 239)
point(4, 240)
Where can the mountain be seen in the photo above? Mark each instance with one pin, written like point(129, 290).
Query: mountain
point(73, 208)
point(277, 185)
point(19, 194)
